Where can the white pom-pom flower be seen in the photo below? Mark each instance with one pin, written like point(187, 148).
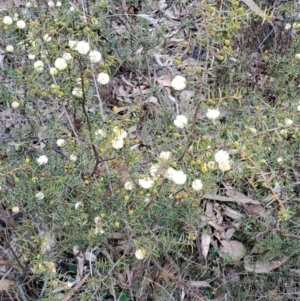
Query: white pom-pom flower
point(154, 169)
point(40, 195)
point(60, 142)
point(83, 47)
point(53, 71)
point(179, 178)
point(180, 121)
point(140, 254)
point(288, 122)
point(103, 78)
point(146, 183)
point(100, 133)
point(7, 20)
point(178, 82)
point(120, 133)
point(73, 157)
point(165, 156)
point(197, 185)
point(95, 56)
point(72, 44)
point(60, 64)
point(117, 143)
point(128, 185)
point(31, 56)
point(15, 104)
point(21, 24)
point(67, 56)
point(221, 156)
point(79, 206)
point(39, 66)
point(42, 160)
point(77, 92)
point(224, 166)
point(10, 48)
point(212, 114)
point(47, 38)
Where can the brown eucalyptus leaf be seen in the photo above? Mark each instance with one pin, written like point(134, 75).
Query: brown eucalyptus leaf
point(232, 248)
point(198, 284)
point(265, 267)
point(255, 8)
point(232, 213)
point(5, 284)
point(205, 243)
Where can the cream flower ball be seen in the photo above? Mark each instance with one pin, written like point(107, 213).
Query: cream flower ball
point(77, 92)
point(40, 196)
point(39, 66)
point(170, 173)
point(60, 64)
point(83, 47)
point(53, 71)
point(100, 133)
point(180, 121)
point(7, 20)
point(140, 254)
point(42, 160)
point(47, 38)
point(120, 133)
point(197, 185)
point(67, 56)
point(118, 143)
point(179, 178)
point(103, 78)
point(60, 142)
point(178, 82)
point(221, 156)
point(73, 157)
point(224, 166)
point(10, 48)
point(21, 24)
point(31, 56)
point(72, 44)
point(15, 104)
point(212, 114)
point(95, 56)
point(146, 183)
point(165, 156)
point(288, 122)
point(128, 185)
point(154, 169)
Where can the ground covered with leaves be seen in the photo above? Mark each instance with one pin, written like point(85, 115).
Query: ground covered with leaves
point(149, 150)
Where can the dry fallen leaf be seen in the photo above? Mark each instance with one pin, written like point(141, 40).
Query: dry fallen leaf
point(205, 243)
point(255, 8)
point(232, 213)
point(237, 196)
point(5, 284)
point(232, 248)
point(265, 267)
point(164, 80)
point(198, 284)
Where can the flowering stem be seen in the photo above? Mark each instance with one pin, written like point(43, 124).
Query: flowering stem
point(201, 99)
point(88, 122)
